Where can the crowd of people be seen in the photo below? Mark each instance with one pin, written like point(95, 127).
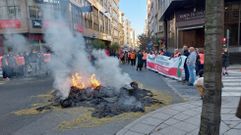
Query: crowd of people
point(193, 65)
point(134, 58)
point(27, 64)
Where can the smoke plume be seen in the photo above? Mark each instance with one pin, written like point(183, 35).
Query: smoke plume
point(70, 56)
point(109, 71)
point(16, 42)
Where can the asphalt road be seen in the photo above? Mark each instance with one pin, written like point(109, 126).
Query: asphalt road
point(152, 80)
point(16, 95)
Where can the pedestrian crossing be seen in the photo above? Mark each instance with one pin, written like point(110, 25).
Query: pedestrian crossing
point(232, 84)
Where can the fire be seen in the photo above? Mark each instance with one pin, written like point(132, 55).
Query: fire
point(94, 82)
point(76, 81)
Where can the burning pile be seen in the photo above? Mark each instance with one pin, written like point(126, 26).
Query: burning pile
point(107, 101)
point(77, 82)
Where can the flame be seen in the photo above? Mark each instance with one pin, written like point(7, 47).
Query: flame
point(76, 81)
point(94, 82)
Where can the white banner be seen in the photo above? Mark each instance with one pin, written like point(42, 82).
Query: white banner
point(171, 67)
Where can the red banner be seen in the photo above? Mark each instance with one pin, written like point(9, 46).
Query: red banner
point(20, 60)
point(10, 24)
point(47, 57)
point(1, 61)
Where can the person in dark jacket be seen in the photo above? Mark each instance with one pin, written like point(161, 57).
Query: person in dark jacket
point(139, 61)
point(5, 67)
point(225, 61)
point(186, 53)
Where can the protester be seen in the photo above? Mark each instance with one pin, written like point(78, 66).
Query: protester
point(129, 57)
point(5, 67)
point(133, 58)
point(12, 65)
point(34, 62)
point(201, 60)
point(122, 58)
point(20, 64)
point(136, 53)
point(186, 53)
point(144, 58)
point(191, 63)
point(107, 52)
point(162, 52)
point(139, 61)
point(176, 53)
point(225, 62)
point(125, 57)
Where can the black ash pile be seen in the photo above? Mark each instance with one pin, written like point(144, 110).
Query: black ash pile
point(108, 102)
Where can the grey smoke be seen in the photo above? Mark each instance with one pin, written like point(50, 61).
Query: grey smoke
point(17, 42)
point(109, 72)
point(70, 56)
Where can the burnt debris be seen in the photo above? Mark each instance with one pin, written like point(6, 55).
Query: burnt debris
point(107, 101)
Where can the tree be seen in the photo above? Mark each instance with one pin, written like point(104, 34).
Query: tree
point(144, 41)
point(114, 47)
point(214, 29)
point(98, 44)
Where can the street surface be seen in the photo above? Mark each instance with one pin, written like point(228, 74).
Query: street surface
point(17, 94)
point(232, 85)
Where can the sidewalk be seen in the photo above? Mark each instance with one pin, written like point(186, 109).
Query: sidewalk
point(183, 119)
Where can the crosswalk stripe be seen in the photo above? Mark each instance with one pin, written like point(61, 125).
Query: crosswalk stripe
point(231, 88)
point(232, 80)
point(232, 94)
point(232, 84)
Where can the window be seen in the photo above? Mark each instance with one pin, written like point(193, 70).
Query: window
point(106, 25)
point(95, 17)
point(9, 9)
point(87, 17)
point(35, 12)
point(88, 20)
point(101, 22)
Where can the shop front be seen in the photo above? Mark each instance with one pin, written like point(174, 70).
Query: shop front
point(232, 29)
point(190, 28)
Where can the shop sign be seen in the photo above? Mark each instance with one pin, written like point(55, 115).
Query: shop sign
point(37, 23)
point(188, 16)
point(10, 24)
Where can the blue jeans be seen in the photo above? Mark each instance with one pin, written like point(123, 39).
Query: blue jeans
point(192, 74)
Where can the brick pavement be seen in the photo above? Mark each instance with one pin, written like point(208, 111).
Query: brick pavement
point(183, 119)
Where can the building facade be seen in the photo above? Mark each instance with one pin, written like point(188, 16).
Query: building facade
point(121, 29)
point(154, 25)
point(183, 23)
point(115, 20)
point(95, 19)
